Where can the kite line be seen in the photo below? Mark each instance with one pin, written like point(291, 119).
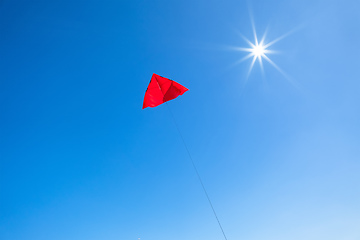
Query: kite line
point(196, 171)
point(159, 91)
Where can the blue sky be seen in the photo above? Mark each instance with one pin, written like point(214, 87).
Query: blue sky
point(80, 159)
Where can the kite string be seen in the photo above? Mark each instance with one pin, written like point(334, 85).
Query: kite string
point(196, 171)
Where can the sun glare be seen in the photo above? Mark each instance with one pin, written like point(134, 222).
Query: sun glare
point(258, 50)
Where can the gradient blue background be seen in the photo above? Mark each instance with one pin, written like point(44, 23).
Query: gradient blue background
point(79, 159)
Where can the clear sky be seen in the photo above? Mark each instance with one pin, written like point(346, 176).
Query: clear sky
point(80, 159)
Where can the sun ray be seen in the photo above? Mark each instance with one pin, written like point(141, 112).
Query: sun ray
point(281, 71)
point(234, 48)
point(247, 57)
point(280, 38)
point(241, 60)
point(274, 65)
point(255, 36)
point(276, 40)
point(252, 65)
point(244, 49)
point(261, 65)
point(271, 51)
point(248, 41)
point(263, 38)
point(254, 30)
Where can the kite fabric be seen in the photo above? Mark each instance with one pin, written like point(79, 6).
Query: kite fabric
point(161, 90)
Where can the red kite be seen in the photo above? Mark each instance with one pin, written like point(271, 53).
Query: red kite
point(161, 90)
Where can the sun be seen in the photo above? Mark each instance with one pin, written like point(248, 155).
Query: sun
point(258, 50)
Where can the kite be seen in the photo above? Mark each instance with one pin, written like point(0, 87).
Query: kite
point(161, 90)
